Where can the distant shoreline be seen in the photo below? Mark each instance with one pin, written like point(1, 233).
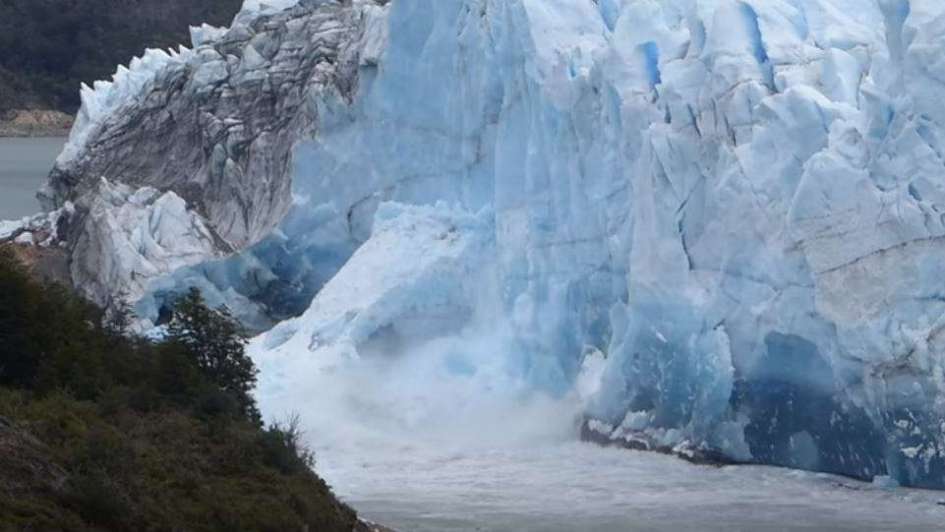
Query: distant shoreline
point(35, 123)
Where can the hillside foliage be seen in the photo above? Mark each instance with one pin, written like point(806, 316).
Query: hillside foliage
point(102, 431)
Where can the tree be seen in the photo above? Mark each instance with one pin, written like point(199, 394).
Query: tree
point(19, 304)
point(49, 337)
point(217, 343)
point(119, 316)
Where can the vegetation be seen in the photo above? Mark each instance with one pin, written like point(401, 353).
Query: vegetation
point(49, 47)
point(101, 431)
point(215, 341)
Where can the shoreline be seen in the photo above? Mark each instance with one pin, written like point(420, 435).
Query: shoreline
point(32, 134)
point(35, 123)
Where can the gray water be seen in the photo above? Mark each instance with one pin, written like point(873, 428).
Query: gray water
point(24, 165)
point(582, 488)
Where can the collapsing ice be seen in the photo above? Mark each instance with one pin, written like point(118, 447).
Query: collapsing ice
point(724, 219)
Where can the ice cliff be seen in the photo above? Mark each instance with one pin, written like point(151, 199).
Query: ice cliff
point(740, 203)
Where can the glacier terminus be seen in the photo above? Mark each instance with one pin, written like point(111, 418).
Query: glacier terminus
point(720, 223)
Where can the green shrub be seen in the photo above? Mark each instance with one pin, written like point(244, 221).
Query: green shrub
point(145, 435)
point(217, 343)
point(98, 499)
point(283, 448)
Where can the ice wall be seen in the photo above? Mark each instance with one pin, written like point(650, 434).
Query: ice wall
point(736, 201)
point(214, 124)
point(740, 203)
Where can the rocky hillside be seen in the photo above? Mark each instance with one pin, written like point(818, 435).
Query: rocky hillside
point(49, 47)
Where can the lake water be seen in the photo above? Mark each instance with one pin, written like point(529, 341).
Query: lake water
point(422, 452)
point(575, 487)
point(24, 165)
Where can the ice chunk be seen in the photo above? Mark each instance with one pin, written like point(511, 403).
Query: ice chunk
point(412, 280)
point(130, 237)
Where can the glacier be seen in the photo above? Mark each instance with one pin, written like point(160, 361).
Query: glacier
point(722, 221)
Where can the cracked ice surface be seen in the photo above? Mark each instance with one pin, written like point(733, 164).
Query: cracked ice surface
point(740, 203)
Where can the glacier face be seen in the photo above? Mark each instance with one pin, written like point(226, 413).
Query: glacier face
point(741, 203)
point(178, 121)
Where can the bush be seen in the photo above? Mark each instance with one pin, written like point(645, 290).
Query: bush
point(125, 434)
point(20, 344)
point(217, 343)
point(98, 499)
point(50, 338)
point(283, 448)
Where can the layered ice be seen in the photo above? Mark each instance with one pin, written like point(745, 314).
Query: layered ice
point(131, 236)
point(722, 220)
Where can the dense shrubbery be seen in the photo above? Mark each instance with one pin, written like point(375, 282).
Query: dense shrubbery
point(48, 47)
point(102, 431)
point(215, 341)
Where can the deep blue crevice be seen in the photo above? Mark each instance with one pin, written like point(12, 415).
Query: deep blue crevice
point(759, 51)
point(651, 55)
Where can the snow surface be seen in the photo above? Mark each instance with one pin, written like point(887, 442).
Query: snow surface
point(738, 203)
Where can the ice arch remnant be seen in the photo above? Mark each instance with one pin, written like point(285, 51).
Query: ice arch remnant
point(741, 203)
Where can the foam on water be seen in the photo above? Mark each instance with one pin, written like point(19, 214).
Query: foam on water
point(571, 487)
point(505, 464)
